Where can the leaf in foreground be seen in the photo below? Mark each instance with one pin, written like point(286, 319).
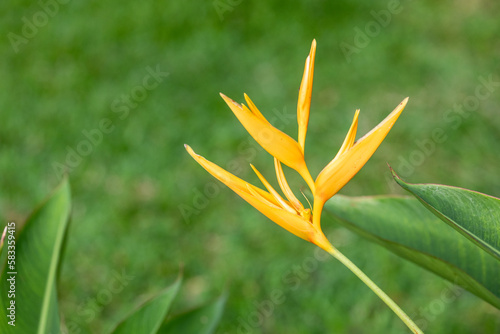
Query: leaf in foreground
point(148, 318)
point(37, 254)
point(201, 320)
point(473, 214)
point(405, 227)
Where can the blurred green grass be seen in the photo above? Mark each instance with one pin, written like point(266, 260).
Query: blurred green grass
point(128, 190)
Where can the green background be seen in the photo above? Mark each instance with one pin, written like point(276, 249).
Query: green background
point(131, 191)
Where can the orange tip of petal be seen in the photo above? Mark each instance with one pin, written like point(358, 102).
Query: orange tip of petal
point(230, 100)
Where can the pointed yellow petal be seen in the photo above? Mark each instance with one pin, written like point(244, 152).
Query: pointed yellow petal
point(291, 222)
point(273, 192)
point(220, 174)
point(340, 170)
point(351, 136)
point(274, 141)
point(235, 183)
point(286, 188)
point(304, 103)
point(254, 109)
point(261, 198)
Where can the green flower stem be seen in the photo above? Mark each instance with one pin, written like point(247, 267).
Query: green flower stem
point(401, 314)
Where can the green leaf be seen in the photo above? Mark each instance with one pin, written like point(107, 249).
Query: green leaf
point(148, 318)
point(405, 227)
point(37, 255)
point(475, 215)
point(202, 320)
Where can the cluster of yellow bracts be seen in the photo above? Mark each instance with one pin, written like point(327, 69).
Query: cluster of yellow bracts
point(290, 213)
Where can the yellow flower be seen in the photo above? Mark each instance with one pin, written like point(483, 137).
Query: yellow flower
point(290, 213)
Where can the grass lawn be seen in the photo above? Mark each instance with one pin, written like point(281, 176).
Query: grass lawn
point(113, 89)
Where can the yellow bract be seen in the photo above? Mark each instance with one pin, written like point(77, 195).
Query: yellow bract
point(269, 203)
point(305, 92)
point(290, 213)
point(352, 156)
point(274, 141)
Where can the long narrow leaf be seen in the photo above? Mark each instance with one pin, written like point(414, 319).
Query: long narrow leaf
point(148, 318)
point(202, 320)
point(37, 255)
point(473, 214)
point(407, 228)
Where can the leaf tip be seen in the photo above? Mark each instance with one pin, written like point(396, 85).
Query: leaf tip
point(397, 178)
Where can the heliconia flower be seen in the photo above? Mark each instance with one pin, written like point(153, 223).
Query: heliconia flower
point(289, 214)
